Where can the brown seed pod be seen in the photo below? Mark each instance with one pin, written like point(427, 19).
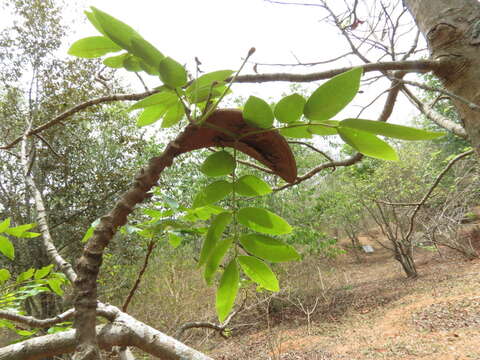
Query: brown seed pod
point(224, 125)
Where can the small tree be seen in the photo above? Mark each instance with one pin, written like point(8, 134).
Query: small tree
point(251, 131)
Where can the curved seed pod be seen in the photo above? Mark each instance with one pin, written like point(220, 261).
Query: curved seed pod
point(225, 125)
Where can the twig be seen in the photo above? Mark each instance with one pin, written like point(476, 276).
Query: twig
point(434, 185)
point(48, 145)
point(350, 161)
point(471, 105)
point(221, 328)
point(298, 63)
point(151, 246)
point(292, 3)
point(141, 80)
point(311, 147)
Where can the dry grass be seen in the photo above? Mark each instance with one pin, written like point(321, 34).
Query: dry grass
point(365, 310)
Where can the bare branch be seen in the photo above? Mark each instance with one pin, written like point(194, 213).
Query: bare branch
point(34, 322)
point(298, 63)
point(292, 3)
point(311, 147)
point(221, 328)
point(151, 246)
point(48, 243)
point(420, 66)
point(471, 105)
point(434, 185)
point(435, 116)
point(78, 108)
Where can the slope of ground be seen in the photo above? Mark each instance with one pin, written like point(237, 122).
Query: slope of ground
point(367, 310)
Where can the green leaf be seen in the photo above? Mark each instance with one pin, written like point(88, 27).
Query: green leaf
point(218, 164)
point(331, 97)
point(165, 97)
point(115, 62)
point(258, 113)
point(249, 185)
point(44, 271)
point(298, 131)
point(268, 248)
point(199, 90)
point(132, 63)
point(215, 231)
point(93, 47)
point(205, 93)
point(25, 275)
point(172, 73)
point(264, 221)
point(227, 290)
point(56, 286)
point(151, 115)
point(390, 130)
point(174, 239)
point(259, 272)
point(26, 333)
point(215, 259)
point(6, 247)
point(202, 213)
point(209, 78)
point(290, 108)
point(90, 230)
point(19, 231)
point(173, 115)
point(30, 235)
point(94, 22)
point(212, 193)
point(4, 225)
point(4, 275)
point(148, 68)
point(119, 32)
point(318, 128)
point(146, 51)
point(367, 144)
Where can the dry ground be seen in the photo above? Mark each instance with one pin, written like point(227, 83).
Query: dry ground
point(366, 310)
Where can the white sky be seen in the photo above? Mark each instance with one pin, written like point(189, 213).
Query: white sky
point(220, 33)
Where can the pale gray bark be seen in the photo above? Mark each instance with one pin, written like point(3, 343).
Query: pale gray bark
point(452, 30)
point(123, 331)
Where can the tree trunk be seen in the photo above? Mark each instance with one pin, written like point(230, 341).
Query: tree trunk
point(452, 30)
point(404, 256)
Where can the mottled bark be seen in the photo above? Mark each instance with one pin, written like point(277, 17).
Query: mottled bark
point(452, 30)
point(223, 128)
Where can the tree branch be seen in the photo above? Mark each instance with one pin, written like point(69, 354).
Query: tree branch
point(410, 66)
point(434, 116)
point(434, 185)
point(123, 331)
point(471, 105)
point(34, 322)
point(311, 147)
point(41, 215)
point(151, 246)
